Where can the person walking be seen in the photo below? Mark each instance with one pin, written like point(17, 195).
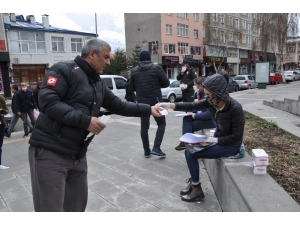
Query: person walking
point(223, 73)
point(130, 95)
point(70, 98)
point(24, 106)
point(186, 78)
point(36, 94)
point(147, 79)
point(227, 115)
point(3, 111)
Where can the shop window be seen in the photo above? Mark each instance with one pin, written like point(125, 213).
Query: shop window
point(169, 49)
point(183, 48)
point(31, 76)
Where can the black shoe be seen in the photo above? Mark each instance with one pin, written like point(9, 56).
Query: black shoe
point(7, 135)
point(158, 152)
point(180, 147)
point(195, 195)
point(188, 189)
point(25, 135)
point(147, 154)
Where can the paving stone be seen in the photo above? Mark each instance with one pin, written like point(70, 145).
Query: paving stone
point(96, 203)
point(24, 204)
point(3, 207)
point(13, 189)
point(105, 189)
point(129, 169)
point(147, 207)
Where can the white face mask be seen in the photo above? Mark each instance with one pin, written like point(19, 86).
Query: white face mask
point(195, 89)
point(24, 88)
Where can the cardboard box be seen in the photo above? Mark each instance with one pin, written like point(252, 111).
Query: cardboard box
point(259, 170)
point(260, 157)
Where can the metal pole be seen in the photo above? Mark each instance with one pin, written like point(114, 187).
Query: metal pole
point(96, 24)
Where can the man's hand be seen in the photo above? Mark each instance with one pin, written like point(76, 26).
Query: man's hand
point(155, 110)
point(183, 69)
point(166, 105)
point(19, 113)
point(96, 126)
point(183, 86)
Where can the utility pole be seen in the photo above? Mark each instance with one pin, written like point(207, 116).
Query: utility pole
point(96, 24)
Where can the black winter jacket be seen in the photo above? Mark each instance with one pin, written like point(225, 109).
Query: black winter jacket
point(72, 93)
point(188, 78)
point(229, 121)
point(24, 102)
point(147, 79)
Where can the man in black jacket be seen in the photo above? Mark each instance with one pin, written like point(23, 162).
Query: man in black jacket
point(186, 78)
point(147, 79)
point(70, 99)
point(24, 106)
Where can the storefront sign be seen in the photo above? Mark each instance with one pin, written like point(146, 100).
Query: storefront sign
point(167, 60)
point(188, 56)
point(244, 60)
point(215, 59)
point(193, 61)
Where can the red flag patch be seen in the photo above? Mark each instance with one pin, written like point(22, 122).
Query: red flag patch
point(51, 81)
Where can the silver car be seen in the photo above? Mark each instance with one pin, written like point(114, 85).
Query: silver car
point(173, 92)
point(246, 81)
point(291, 75)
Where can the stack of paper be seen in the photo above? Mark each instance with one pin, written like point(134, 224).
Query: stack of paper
point(192, 138)
point(183, 114)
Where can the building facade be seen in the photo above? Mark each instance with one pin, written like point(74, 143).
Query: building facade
point(291, 56)
point(34, 47)
point(169, 37)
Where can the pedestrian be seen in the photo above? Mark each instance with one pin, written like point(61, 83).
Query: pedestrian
point(228, 117)
point(130, 95)
point(36, 94)
point(198, 120)
point(223, 73)
point(70, 98)
point(24, 107)
point(186, 78)
point(3, 112)
point(147, 79)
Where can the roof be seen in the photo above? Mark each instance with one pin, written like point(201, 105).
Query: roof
point(22, 24)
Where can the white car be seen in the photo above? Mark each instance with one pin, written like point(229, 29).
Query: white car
point(246, 81)
point(173, 92)
point(291, 75)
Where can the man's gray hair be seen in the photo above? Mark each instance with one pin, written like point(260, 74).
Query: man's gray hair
point(94, 44)
point(199, 80)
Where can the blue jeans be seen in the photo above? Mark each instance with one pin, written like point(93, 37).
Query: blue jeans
point(190, 125)
point(213, 152)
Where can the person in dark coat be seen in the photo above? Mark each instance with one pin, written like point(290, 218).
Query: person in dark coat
point(36, 94)
point(3, 111)
point(147, 79)
point(70, 99)
point(186, 78)
point(223, 73)
point(228, 116)
point(130, 95)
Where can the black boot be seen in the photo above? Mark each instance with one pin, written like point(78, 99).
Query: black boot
point(195, 195)
point(188, 189)
point(180, 147)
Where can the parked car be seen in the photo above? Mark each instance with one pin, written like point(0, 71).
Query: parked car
point(117, 84)
point(297, 70)
point(232, 85)
point(290, 75)
point(173, 92)
point(246, 81)
point(275, 78)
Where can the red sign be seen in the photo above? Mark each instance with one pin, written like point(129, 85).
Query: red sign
point(2, 45)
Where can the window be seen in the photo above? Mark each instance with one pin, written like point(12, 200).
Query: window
point(230, 21)
point(57, 44)
point(214, 32)
point(222, 20)
point(249, 41)
point(169, 49)
point(259, 30)
point(244, 24)
point(108, 82)
point(27, 42)
point(183, 48)
point(255, 28)
point(236, 39)
point(196, 34)
point(120, 83)
point(254, 15)
point(182, 30)
point(230, 36)
point(249, 27)
point(196, 16)
point(236, 23)
point(203, 33)
point(182, 15)
point(249, 16)
point(244, 38)
point(169, 14)
point(298, 57)
point(168, 29)
point(291, 49)
point(195, 50)
point(76, 45)
point(215, 17)
point(222, 36)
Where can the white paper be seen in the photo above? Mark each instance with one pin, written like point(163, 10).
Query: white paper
point(164, 112)
point(183, 114)
point(104, 119)
point(192, 138)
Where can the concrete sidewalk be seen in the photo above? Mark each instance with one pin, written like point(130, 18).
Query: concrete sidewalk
point(119, 177)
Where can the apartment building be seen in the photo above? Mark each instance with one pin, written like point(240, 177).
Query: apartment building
point(291, 57)
point(34, 47)
point(169, 37)
point(232, 41)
